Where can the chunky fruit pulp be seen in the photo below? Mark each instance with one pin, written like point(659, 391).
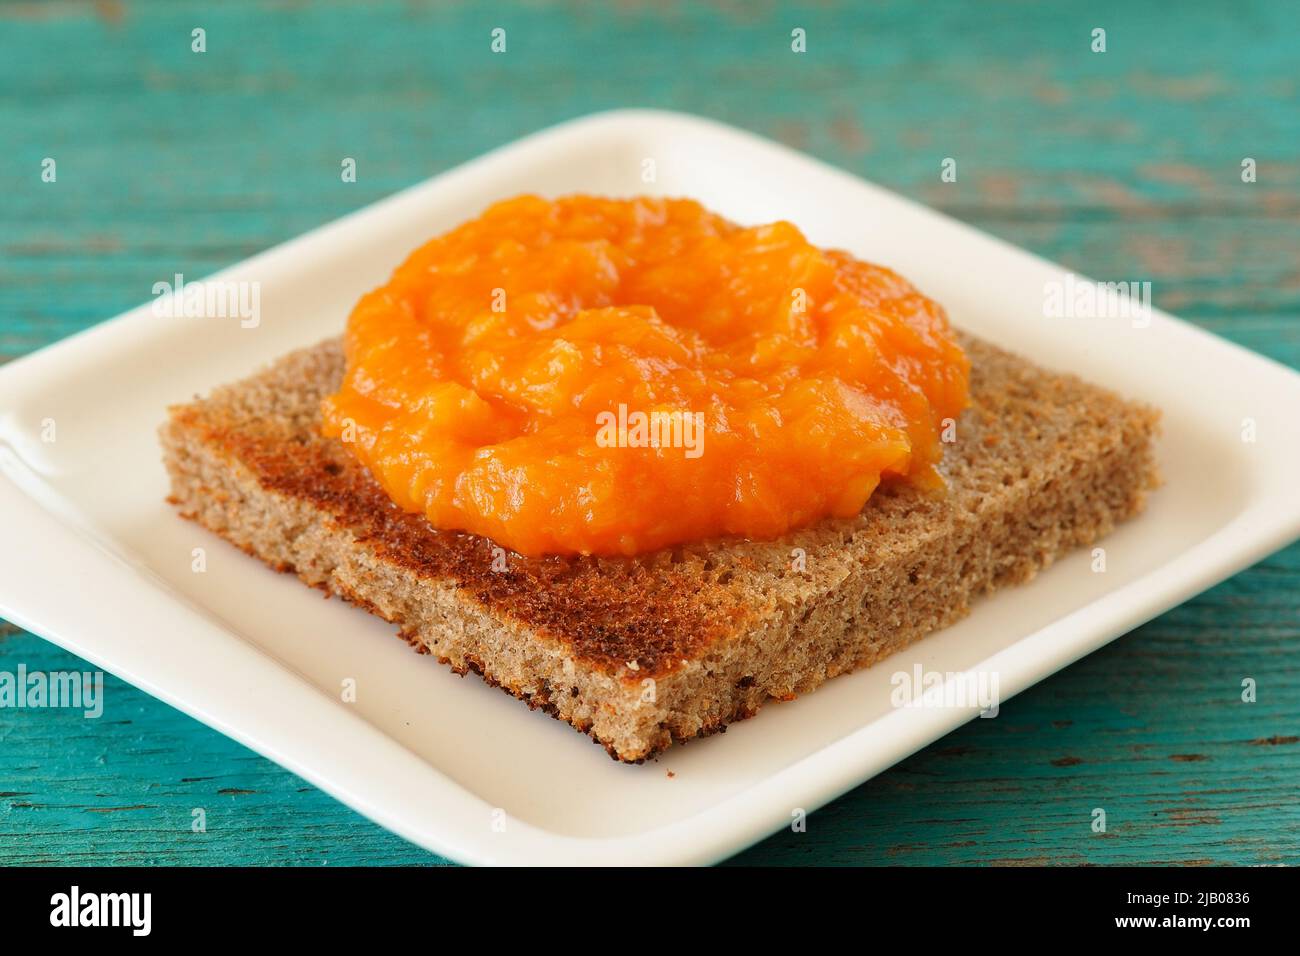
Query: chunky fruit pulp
point(501, 382)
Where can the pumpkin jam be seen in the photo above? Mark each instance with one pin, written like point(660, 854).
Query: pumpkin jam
point(598, 376)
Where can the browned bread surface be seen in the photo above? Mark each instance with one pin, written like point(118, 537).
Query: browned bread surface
point(642, 652)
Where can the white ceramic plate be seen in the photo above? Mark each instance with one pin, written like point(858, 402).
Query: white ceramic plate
point(97, 563)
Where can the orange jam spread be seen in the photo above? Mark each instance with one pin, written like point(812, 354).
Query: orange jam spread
point(598, 376)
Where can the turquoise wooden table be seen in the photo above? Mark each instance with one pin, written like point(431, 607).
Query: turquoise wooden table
point(1122, 164)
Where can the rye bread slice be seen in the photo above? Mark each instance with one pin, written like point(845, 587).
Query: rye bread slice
point(643, 652)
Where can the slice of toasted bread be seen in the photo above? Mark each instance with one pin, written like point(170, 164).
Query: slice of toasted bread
point(643, 652)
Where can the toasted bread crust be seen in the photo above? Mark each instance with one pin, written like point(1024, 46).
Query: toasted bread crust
point(1042, 463)
point(608, 611)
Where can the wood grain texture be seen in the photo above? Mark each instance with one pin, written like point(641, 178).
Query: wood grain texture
point(1122, 165)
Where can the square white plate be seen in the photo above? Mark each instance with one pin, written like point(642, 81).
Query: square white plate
point(99, 564)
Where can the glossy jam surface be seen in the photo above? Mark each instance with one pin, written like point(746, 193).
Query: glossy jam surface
point(604, 376)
